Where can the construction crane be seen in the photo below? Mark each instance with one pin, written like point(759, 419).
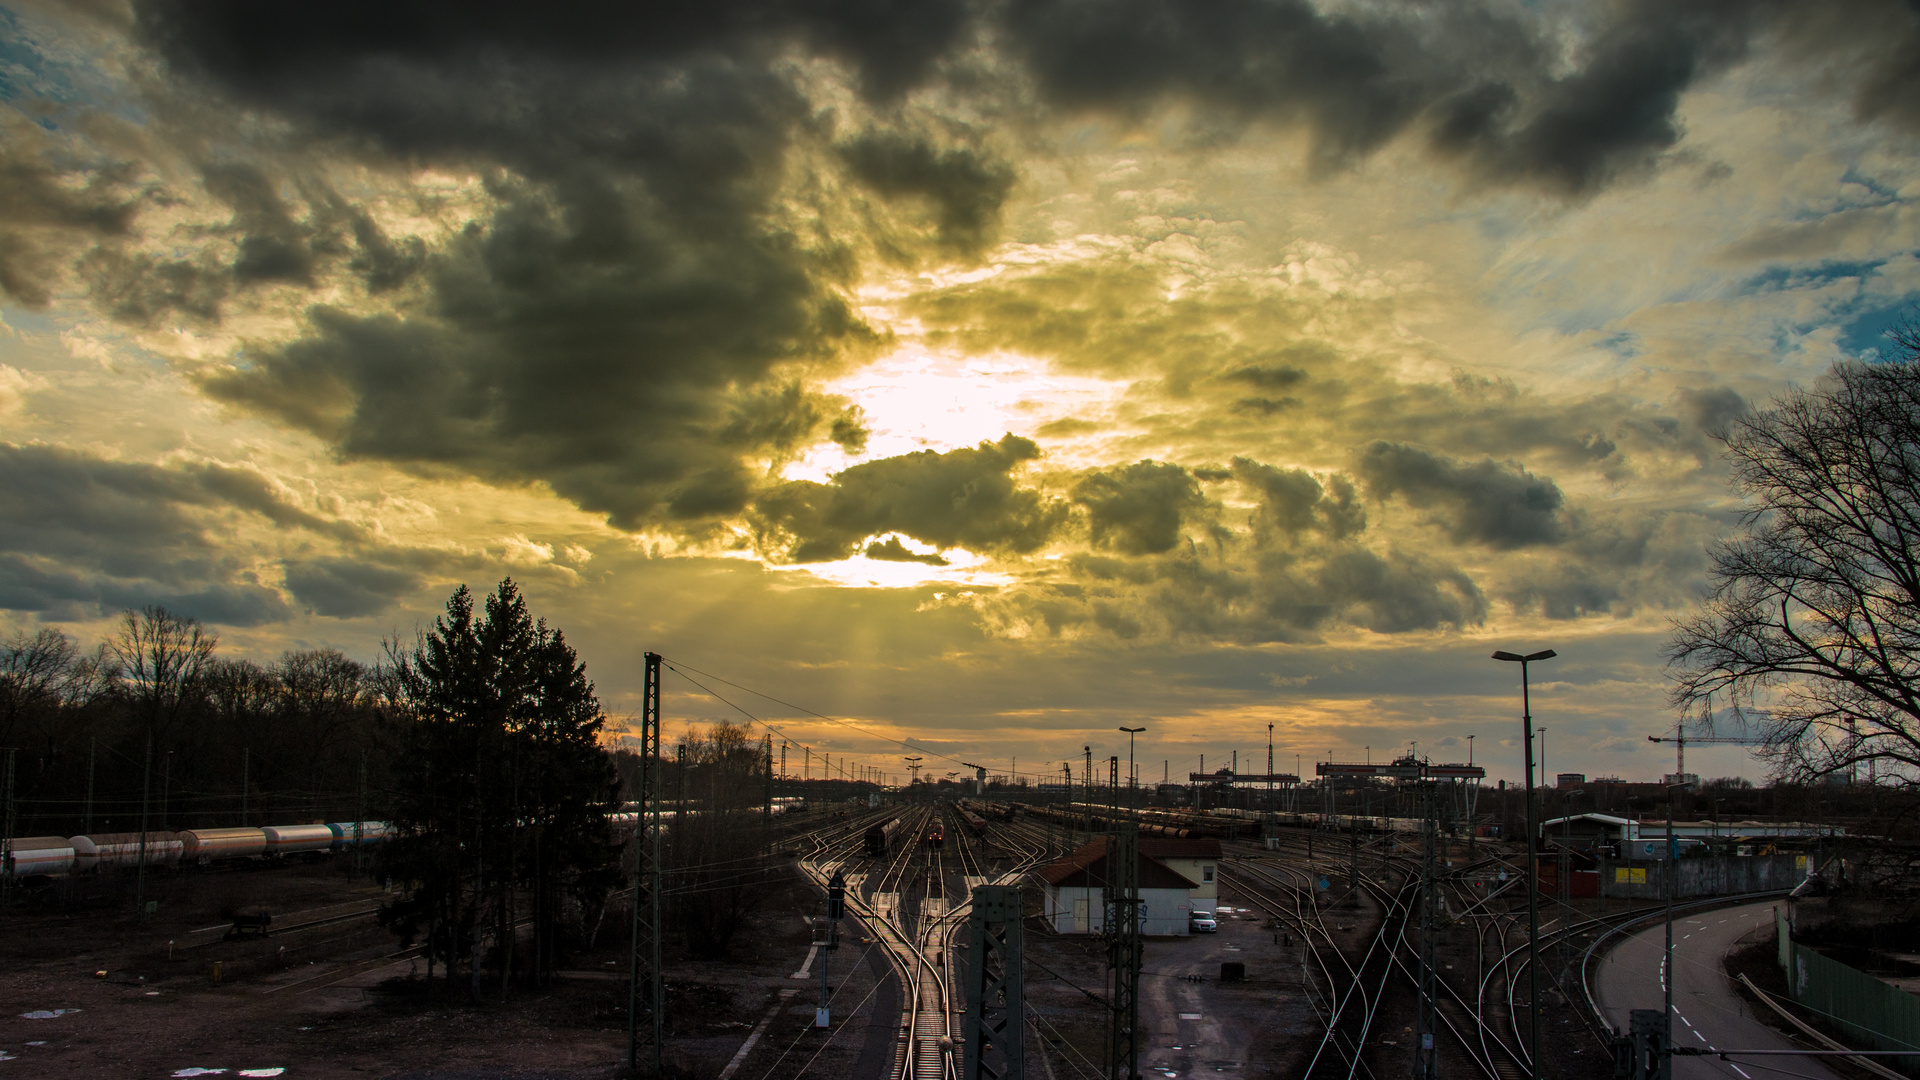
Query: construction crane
point(1680, 739)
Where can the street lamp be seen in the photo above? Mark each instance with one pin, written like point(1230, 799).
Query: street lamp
point(1132, 787)
point(1533, 869)
point(1666, 969)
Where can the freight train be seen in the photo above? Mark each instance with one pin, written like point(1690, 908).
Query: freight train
point(44, 857)
point(881, 838)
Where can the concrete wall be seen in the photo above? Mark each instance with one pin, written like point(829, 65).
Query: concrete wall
point(1715, 875)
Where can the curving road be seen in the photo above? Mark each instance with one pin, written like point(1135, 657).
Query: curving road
point(1707, 1011)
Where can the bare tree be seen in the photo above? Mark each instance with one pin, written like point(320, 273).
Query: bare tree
point(1813, 625)
point(717, 867)
point(34, 672)
point(160, 658)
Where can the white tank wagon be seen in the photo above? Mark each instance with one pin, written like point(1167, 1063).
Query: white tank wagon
point(214, 845)
point(123, 849)
point(37, 856)
point(348, 834)
point(294, 839)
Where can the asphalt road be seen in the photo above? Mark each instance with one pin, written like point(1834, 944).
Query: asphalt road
point(1707, 1011)
point(1189, 1029)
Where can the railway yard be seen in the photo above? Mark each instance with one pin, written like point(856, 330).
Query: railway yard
point(1331, 965)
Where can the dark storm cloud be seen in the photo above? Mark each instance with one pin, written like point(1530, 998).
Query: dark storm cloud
point(963, 498)
point(47, 203)
point(1138, 509)
point(895, 551)
point(345, 588)
point(614, 327)
point(80, 530)
point(1711, 410)
point(1485, 502)
point(646, 279)
point(1489, 86)
point(964, 187)
point(1292, 597)
point(1293, 500)
point(59, 592)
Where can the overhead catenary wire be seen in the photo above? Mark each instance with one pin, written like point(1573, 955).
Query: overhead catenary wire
point(687, 672)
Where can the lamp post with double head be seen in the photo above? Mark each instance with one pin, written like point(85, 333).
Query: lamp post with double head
point(1533, 856)
point(1132, 787)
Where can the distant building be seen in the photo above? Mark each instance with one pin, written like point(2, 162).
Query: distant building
point(1175, 877)
point(1680, 778)
point(1630, 838)
point(1569, 779)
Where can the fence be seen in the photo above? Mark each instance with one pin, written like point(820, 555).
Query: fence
point(1871, 1011)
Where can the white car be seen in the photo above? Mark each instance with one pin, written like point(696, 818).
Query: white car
point(1201, 922)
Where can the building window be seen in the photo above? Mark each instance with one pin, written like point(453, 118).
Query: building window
point(1206, 875)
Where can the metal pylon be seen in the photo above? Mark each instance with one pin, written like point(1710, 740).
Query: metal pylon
point(995, 984)
point(1123, 951)
point(645, 961)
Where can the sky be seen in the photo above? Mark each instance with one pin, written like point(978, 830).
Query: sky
point(984, 375)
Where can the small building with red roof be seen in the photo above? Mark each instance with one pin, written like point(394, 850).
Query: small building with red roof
point(1171, 884)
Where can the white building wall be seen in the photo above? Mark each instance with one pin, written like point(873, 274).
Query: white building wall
point(1205, 872)
point(1081, 910)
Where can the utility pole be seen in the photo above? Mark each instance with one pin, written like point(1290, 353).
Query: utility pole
point(1087, 775)
point(360, 812)
point(1123, 951)
point(647, 883)
point(246, 771)
point(166, 791)
point(1473, 827)
point(6, 837)
point(995, 975)
point(1113, 791)
point(140, 873)
point(93, 746)
point(1268, 816)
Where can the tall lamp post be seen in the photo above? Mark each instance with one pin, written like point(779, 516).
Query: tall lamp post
point(1666, 963)
point(1132, 787)
point(1533, 857)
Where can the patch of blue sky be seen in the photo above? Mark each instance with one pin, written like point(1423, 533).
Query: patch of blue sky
point(1883, 192)
point(1622, 344)
point(1787, 278)
point(26, 68)
point(1865, 336)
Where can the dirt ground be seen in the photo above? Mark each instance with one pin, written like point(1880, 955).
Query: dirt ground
point(87, 991)
point(1190, 1020)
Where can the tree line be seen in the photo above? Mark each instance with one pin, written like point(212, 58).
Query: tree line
point(212, 741)
point(480, 741)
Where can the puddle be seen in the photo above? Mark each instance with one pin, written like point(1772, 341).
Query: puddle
point(38, 1042)
point(276, 1071)
point(197, 1071)
point(1183, 1016)
point(46, 1014)
point(4, 1056)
